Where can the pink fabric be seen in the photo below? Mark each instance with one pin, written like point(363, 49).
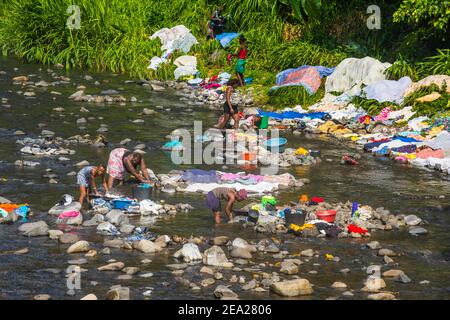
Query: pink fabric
point(383, 114)
point(69, 214)
point(234, 176)
point(429, 153)
point(308, 77)
point(115, 167)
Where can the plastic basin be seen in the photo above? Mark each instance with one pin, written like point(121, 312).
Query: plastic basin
point(328, 215)
point(275, 144)
point(122, 204)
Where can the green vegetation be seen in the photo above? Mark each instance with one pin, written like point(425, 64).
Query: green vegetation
point(281, 34)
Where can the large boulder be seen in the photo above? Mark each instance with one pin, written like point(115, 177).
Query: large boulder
point(34, 229)
point(241, 243)
point(57, 209)
point(189, 252)
point(292, 288)
point(117, 217)
point(215, 256)
point(146, 246)
point(224, 293)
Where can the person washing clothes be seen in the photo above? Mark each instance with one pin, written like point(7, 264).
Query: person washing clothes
point(86, 181)
point(242, 60)
point(122, 160)
point(214, 197)
point(230, 110)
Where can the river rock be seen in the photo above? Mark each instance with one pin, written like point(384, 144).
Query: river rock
point(241, 243)
point(90, 296)
point(157, 88)
point(57, 209)
point(307, 253)
point(374, 284)
point(54, 234)
point(215, 256)
point(127, 228)
point(117, 217)
point(4, 200)
point(77, 94)
point(68, 238)
point(292, 288)
point(220, 241)
point(42, 297)
point(117, 243)
point(114, 266)
point(412, 220)
point(118, 293)
point(189, 252)
point(146, 246)
point(386, 252)
point(288, 267)
point(224, 293)
point(417, 231)
point(34, 229)
point(339, 285)
point(130, 270)
point(374, 245)
point(381, 296)
point(78, 247)
point(242, 253)
point(392, 273)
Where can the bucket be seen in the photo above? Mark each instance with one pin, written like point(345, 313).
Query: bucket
point(248, 156)
point(253, 216)
point(142, 191)
point(294, 217)
point(275, 144)
point(122, 204)
point(328, 215)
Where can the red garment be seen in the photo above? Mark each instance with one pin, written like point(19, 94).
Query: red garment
point(355, 229)
point(317, 199)
point(213, 78)
point(242, 54)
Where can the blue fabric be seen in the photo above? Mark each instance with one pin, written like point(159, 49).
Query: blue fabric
point(226, 37)
point(384, 151)
point(371, 145)
point(292, 115)
point(405, 139)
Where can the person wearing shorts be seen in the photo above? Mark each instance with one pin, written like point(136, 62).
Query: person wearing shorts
point(230, 110)
point(214, 197)
point(86, 181)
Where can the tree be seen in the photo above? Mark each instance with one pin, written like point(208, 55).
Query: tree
point(427, 13)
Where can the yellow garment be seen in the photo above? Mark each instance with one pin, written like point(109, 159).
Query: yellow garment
point(429, 97)
point(435, 131)
point(325, 128)
point(297, 228)
point(301, 151)
point(354, 138)
point(329, 256)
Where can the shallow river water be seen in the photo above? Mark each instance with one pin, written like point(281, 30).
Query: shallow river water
point(376, 182)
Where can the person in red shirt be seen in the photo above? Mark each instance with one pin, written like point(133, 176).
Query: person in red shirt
point(242, 60)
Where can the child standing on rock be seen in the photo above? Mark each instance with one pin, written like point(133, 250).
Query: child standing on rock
point(242, 60)
point(86, 181)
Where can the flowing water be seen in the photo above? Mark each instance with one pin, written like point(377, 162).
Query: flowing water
point(376, 182)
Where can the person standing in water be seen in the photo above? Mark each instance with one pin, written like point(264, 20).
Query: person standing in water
point(230, 111)
point(122, 160)
point(86, 181)
point(214, 197)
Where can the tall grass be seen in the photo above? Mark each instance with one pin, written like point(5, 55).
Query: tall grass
point(114, 33)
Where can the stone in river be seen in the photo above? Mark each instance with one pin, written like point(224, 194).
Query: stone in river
point(34, 229)
point(292, 288)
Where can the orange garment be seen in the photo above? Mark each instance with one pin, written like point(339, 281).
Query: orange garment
point(10, 207)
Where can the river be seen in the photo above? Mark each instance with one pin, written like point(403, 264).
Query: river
point(376, 182)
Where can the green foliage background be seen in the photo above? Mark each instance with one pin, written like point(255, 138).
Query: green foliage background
point(281, 34)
